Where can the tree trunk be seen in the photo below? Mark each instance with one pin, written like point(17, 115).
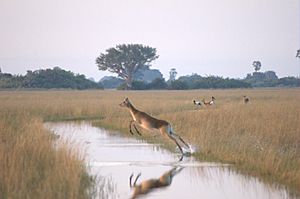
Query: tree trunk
point(129, 82)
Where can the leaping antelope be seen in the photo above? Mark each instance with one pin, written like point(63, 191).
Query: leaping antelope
point(150, 123)
point(246, 99)
point(211, 102)
point(149, 185)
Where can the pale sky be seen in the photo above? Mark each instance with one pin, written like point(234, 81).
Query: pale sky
point(217, 37)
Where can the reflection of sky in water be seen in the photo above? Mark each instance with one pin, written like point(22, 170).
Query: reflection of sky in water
point(117, 158)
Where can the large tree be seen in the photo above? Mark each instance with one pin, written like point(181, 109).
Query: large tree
point(126, 59)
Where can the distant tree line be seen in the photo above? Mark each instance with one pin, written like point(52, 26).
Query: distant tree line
point(270, 79)
point(183, 83)
point(149, 80)
point(195, 81)
point(129, 61)
point(47, 79)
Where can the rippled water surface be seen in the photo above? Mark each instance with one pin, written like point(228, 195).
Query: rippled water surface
point(161, 174)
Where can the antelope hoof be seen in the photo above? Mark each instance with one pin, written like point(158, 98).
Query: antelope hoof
point(181, 157)
point(131, 132)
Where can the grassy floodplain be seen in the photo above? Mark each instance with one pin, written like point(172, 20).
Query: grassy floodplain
point(261, 138)
point(32, 164)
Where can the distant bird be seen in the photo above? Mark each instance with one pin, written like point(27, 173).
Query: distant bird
point(197, 103)
point(211, 102)
point(246, 99)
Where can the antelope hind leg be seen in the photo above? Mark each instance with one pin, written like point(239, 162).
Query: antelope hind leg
point(172, 138)
point(181, 139)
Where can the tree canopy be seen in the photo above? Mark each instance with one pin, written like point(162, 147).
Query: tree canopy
point(256, 65)
point(126, 59)
point(47, 78)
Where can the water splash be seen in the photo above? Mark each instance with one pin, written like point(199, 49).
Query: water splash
point(193, 149)
point(190, 150)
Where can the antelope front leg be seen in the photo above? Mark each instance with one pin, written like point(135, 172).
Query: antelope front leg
point(130, 124)
point(130, 129)
point(137, 177)
point(130, 178)
point(137, 130)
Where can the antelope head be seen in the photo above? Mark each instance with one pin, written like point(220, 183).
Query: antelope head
point(125, 103)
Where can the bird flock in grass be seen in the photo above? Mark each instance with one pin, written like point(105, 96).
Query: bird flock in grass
point(199, 103)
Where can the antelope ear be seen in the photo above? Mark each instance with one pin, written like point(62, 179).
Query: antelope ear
point(126, 99)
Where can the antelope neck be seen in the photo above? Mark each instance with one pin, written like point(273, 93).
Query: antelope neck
point(132, 109)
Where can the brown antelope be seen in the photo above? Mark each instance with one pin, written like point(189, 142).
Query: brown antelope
point(246, 99)
point(149, 185)
point(150, 123)
point(211, 102)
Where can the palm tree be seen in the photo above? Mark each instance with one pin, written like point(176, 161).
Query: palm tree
point(256, 65)
point(173, 74)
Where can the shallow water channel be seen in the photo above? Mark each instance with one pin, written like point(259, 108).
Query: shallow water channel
point(115, 158)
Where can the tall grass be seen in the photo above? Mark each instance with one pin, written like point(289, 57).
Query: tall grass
point(261, 138)
point(33, 165)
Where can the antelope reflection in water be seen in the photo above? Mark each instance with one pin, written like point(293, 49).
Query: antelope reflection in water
point(149, 185)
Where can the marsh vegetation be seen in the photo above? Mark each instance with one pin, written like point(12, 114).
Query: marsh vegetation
point(260, 138)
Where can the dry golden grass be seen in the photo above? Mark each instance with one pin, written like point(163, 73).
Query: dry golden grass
point(261, 138)
point(31, 167)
